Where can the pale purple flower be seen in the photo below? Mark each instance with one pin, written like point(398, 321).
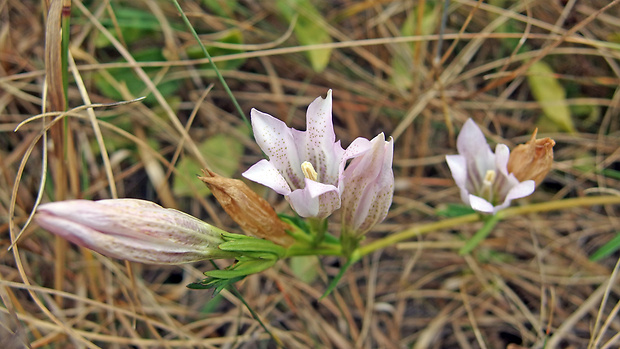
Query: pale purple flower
point(367, 187)
point(482, 175)
point(304, 166)
point(131, 229)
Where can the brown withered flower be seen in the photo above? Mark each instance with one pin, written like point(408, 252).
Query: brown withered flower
point(532, 160)
point(255, 216)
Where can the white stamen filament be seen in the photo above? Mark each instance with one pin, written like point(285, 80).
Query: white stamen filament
point(309, 171)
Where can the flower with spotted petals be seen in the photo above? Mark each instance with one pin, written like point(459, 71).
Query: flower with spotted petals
point(304, 166)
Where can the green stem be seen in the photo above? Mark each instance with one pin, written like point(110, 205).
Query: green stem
point(320, 250)
point(349, 242)
point(489, 223)
point(318, 228)
point(453, 222)
point(411, 232)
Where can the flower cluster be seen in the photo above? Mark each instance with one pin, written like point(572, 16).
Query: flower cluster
point(489, 180)
point(309, 168)
point(316, 175)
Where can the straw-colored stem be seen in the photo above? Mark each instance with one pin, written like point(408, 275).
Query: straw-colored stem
point(453, 222)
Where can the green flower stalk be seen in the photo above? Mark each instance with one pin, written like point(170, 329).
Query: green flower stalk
point(135, 230)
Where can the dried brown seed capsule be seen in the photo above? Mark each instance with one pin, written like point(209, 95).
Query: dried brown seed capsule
point(255, 216)
point(532, 160)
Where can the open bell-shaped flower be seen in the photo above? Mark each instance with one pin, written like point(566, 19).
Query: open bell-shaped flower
point(482, 176)
point(135, 230)
point(304, 166)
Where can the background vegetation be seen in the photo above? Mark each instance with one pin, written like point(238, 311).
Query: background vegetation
point(540, 280)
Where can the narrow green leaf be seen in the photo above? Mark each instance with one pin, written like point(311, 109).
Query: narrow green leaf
point(233, 36)
point(222, 8)
point(612, 246)
point(489, 224)
point(403, 58)
point(267, 248)
point(547, 90)
point(136, 86)
point(213, 304)
point(332, 285)
point(454, 210)
point(608, 172)
point(241, 268)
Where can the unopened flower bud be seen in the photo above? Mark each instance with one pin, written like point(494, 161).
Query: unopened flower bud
point(367, 188)
point(135, 230)
point(255, 216)
point(532, 160)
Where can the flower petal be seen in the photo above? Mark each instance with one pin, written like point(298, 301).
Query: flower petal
point(471, 142)
point(265, 173)
point(319, 140)
point(502, 154)
point(480, 204)
point(280, 143)
point(458, 167)
point(316, 147)
point(315, 200)
point(481, 174)
point(520, 190)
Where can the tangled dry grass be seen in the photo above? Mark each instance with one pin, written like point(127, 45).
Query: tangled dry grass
point(531, 284)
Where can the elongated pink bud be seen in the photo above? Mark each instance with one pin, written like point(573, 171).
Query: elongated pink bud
point(136, 230)
point(367, 187)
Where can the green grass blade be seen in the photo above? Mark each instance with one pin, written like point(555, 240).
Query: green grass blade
point(612, 246)
point(217, 72)
point(489, 224)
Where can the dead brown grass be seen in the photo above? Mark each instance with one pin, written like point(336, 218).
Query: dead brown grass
point(530, 284)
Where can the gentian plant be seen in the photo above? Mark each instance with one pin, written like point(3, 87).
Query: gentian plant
point(310, 168)
point(318, 177)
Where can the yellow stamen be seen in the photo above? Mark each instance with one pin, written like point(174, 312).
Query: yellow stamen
point(489, 177)
point(309, 171)
point(487, 185)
